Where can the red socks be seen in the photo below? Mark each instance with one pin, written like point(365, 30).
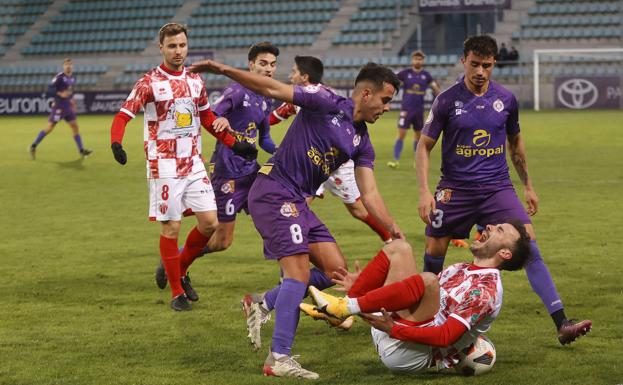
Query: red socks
point(380, 230)
point(171, 262)
point(372, 277)
point(195, 242)
point(397, 296)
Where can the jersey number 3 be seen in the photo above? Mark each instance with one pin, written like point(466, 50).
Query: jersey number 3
point(437, 221)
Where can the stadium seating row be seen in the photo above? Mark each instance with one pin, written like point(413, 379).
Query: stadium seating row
point(277, 18)
point(518, 71)
point(115, 15)
point(5, 3)
point(246, 42)
point(83, 48)
point(376, 15)
point(351, 75)
point(92, 36)
point(390, 61)
point(255, 30)
point(369, 26)
point(385, 4)
point(51, 70)
point(549, 21)
point(19, 10)
point(565, 8)
point(151, 24)
point(42, 81)
point(361, 38)
point(97, 6)
point(267, 8)
point(567, 33)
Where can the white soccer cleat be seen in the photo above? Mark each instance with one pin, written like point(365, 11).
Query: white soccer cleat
point(286, 367)
point(256, 316)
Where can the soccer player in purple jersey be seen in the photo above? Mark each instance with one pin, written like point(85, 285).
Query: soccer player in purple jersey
point(64, 107)
point(415, 81)
point(232, 175)
point(329, 130)
point(476, 118)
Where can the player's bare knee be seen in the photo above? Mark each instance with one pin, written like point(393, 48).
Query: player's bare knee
point(398, 249)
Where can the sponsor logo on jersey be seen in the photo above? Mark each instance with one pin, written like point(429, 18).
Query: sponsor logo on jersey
point(444, 195)
point(481, 138)
point(289, 210)
point(498, 106)
point(228, 187)
point(325, 161)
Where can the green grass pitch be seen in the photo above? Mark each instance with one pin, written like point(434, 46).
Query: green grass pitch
point(78, 303)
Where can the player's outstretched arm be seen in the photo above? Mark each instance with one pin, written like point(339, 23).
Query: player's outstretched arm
point(517, 151)
point(441, 336)
point(426, 204)
point(373, 202)
point(259, 84)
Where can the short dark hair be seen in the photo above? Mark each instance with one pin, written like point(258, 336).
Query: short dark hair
point(520, 250)
point(171, 29)
point(66, 60)
point(263, 47)
point(377, 75)
point(419, 53)
point(310, 66)
point(482, 45)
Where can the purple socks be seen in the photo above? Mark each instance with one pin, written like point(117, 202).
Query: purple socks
point(433, 264)
point(317, 279)
point(398, 148)
point(541, 280)
point(78, 140)
point(287, 313)
point(40, 137)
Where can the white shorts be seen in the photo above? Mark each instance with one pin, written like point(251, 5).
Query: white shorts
point(342, 183)
point(401, 356)
point(170, 197)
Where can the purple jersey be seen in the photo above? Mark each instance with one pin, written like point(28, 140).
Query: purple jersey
point(414, 85)
point(62, 82)
point(247, 113)
point(475, 129)
point(321, 138)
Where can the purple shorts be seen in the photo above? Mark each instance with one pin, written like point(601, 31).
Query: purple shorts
point(61, 112)
point(231, 196)
point(284, 220)
point(458, 210)
point(411, 118)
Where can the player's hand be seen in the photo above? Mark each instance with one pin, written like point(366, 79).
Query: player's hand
point(532, 201)
point(119, 153)
point(426, 206)
point(383, 323)
point(245, 150)
point(210, 66)
point(220, 124)
point(395, 231)
point(345, 278)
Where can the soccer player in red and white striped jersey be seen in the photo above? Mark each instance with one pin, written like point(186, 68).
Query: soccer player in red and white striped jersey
point(176, 106)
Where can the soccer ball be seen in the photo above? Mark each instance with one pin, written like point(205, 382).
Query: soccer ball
point(477, 358)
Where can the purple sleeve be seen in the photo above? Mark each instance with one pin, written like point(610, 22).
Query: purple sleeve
point(58, 84)
point(313, 98)
point(401, 75)
point(365, 156)
point(512, 123)
point(436, 119)
point(265, 140)
point(227, 102)
point(429, 78)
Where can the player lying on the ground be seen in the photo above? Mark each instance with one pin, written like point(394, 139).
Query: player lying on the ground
point(434, 317)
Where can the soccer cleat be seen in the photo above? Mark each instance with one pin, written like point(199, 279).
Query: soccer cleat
point(311, 311)
point(460, 243)
point(188, 289)
point(32, 150)
point(256, 316)
point(331, 305)
point(86, 152)
point(180, 303)
point(161, 276)
point(573, 329)
point(286, 367)
point(393, 164)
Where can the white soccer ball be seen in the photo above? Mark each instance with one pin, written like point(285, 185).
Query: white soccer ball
point(478, 358)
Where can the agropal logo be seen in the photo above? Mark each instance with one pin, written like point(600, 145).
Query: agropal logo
point(577, 93)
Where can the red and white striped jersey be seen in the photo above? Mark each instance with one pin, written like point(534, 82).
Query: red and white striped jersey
point(172, 126)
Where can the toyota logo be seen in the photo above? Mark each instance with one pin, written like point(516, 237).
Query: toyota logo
point(577, 93)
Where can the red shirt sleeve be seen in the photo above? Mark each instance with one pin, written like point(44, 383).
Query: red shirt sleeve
point(440, 336)
point(282, 113)
point(207, 118)
point(118, 127)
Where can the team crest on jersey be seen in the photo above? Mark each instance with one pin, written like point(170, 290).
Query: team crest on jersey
point(289, 210)
point(228, 187)
point(458, 104)
point(444, 195)
point(498, 106)
point(163, 207)
point(356, 140)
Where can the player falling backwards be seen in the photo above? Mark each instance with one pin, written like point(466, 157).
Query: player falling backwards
point(328, 131)
point(477, 118)
point(176, 105)
point(64, 107)
point(233, 175)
